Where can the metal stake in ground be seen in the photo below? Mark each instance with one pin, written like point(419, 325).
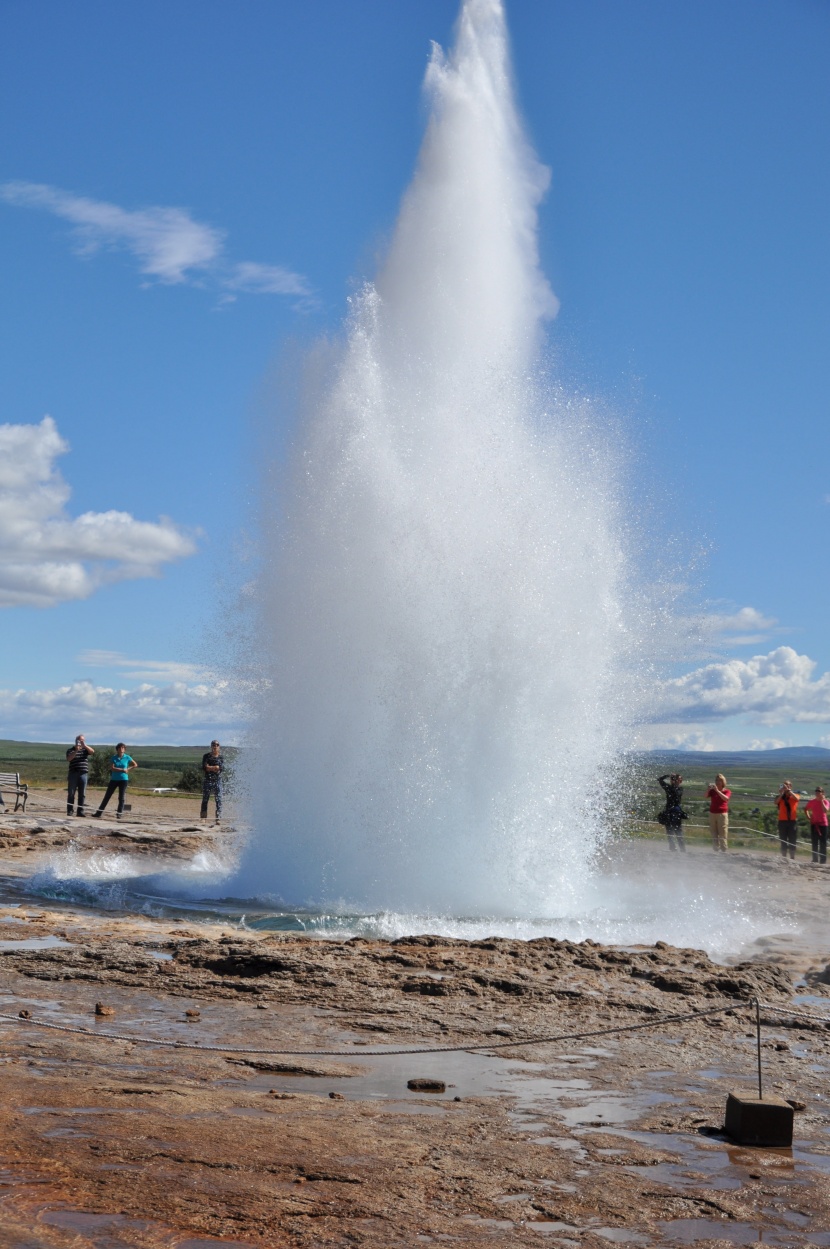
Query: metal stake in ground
point(758, 1121)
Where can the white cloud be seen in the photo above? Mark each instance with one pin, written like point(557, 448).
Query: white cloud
point(266, 280)
point(169, 244)
point(176, 712)
point(49, 557)
point(773, 689)
point(143, 669)
point(766, 743)
point(695, 740)
point(745, 627)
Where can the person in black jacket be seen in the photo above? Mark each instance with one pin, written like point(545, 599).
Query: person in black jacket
point(674, 815)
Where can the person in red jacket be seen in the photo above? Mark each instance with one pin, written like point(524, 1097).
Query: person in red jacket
point(719, 796)
point(817, 809)
point(787, 819)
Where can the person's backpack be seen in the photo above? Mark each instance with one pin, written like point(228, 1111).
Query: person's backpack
point(663, 816)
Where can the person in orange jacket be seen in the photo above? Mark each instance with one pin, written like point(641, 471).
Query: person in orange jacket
point(787, 802)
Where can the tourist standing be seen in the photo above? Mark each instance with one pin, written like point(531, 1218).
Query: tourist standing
point(213, 765)
point(121, 764)
point(674, 814)
point(719, 796)
point(817, 809)
point(77, 757)
point(787, 822)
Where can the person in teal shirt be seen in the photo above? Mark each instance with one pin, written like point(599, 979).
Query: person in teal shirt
point(121, 764)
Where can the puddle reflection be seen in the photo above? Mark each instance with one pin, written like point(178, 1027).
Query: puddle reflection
point(694, 1231)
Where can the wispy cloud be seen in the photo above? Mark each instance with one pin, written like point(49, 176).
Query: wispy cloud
point(266, 280)
point(143, 669)
point(49, 557)
point(744, 627)
point(170, 245)
point(694, 740)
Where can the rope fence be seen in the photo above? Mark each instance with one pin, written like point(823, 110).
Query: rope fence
point(733, 828)
point(592, 1034)
point(175, 823)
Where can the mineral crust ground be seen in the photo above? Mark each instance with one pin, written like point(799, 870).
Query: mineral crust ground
point(589, 1143)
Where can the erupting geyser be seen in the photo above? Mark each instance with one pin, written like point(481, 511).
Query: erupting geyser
point(445, 611)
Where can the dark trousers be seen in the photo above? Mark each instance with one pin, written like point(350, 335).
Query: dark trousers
point(121, 786)
point(76, 784)
point(674, 832)
point(788, 837)
point(208, 788)
point(818, 834)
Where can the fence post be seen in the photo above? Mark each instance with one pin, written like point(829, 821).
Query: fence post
point(758, 1046)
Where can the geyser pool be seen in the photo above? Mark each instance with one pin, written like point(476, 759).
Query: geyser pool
point(447, 638)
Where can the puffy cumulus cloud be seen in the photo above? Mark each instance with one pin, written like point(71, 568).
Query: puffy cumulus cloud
point(174, 713)
point(49, 557)
point(170, 245)
point(772, 689)
point(767, 743)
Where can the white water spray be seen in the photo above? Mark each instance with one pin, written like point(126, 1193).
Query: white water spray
point(445, 617)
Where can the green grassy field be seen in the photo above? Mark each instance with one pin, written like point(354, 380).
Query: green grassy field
point(44, 763)
point(752, 784)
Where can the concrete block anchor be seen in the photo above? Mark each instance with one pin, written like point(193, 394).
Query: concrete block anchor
point(752, 1120)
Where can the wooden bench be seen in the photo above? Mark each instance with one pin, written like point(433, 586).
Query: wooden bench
point(10, 783)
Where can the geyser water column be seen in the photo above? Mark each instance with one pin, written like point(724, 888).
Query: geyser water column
point(445, 641)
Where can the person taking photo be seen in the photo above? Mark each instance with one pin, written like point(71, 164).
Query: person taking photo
point(817, 809)
point(719, 796)
point(673, 816)
point(787, 802)
point(77, 757)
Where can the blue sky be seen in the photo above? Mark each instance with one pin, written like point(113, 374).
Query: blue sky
point(685, 235)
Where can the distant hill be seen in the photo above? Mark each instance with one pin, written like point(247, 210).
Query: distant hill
point(815, 756)
point(13, 750)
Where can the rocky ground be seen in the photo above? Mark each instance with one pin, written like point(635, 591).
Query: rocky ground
point(608, 1139)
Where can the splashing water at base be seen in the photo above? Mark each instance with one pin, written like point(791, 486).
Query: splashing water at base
point(447, 613)
point(731, 907)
